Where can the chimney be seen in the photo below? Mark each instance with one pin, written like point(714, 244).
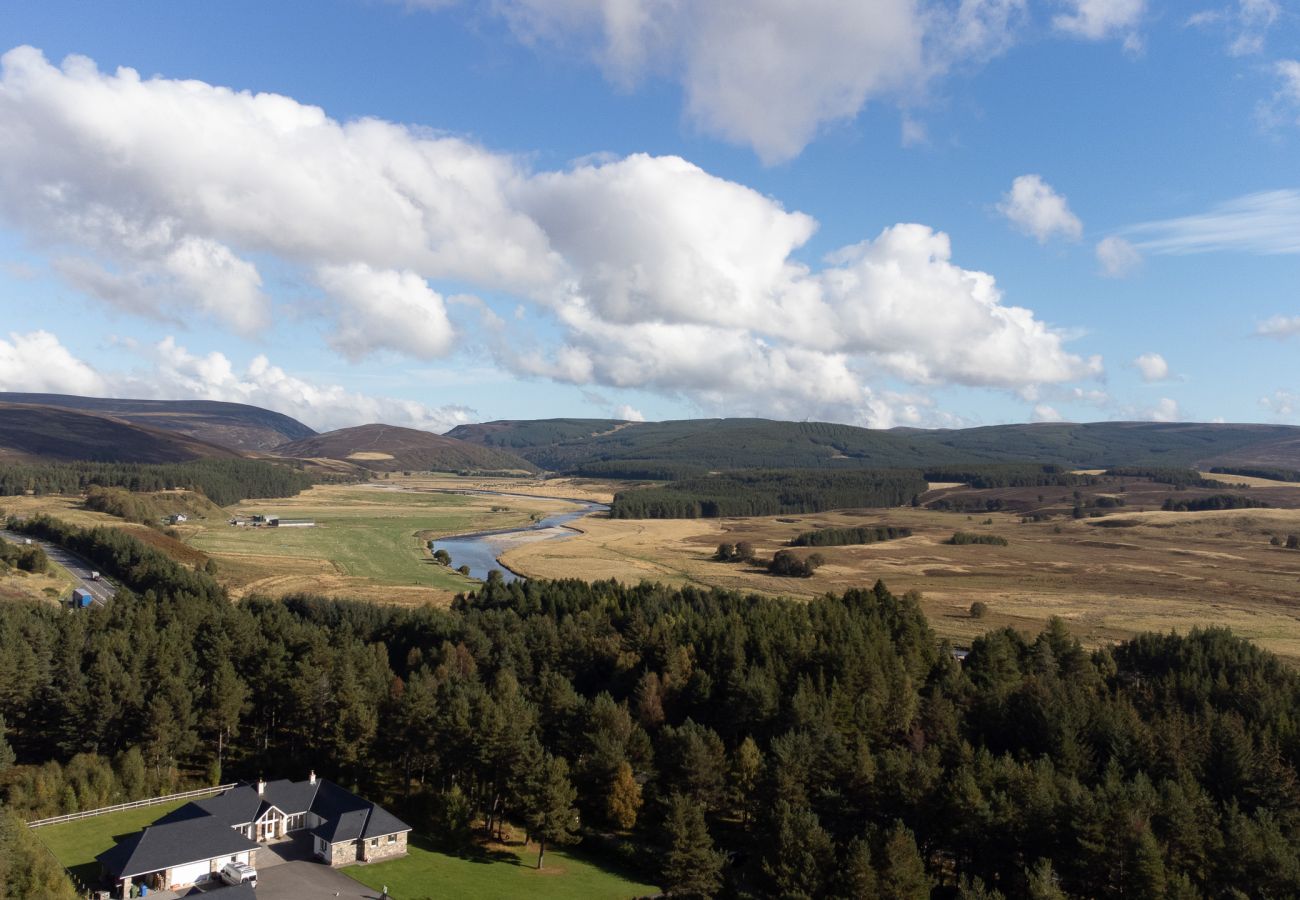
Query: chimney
point(311, 779)
point(261, 786)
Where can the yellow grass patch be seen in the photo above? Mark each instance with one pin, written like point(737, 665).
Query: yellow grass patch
point(1164, 571)
point(368, 455)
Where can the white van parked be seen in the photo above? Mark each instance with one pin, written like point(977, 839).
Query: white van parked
point(239, 873)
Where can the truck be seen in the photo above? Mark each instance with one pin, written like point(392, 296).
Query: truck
point(94, 576)
point(81, 599)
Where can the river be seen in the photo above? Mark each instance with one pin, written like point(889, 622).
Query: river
point(481, 550)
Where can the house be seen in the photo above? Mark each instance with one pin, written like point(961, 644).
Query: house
point(178, 518)
point(191, 844)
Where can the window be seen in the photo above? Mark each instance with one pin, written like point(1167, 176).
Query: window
point(392, 839)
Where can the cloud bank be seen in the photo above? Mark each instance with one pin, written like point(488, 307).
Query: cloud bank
point(166, 198)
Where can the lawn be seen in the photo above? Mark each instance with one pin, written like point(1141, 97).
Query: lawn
point(504, 873)
point(76, 844)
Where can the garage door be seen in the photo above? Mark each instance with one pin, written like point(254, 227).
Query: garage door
point(188, 874)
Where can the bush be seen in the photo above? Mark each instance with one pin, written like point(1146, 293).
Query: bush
point(787, 564)
point(979, 609)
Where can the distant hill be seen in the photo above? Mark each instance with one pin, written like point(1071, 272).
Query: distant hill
point(234, 425)
point(388, 448)
point(668, 449)
point(30, 433)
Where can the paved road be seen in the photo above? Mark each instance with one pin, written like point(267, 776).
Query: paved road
point(102, 591)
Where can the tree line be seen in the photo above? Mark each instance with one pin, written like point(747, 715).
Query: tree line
point(1171, 475)
point(223, 481)
point(839, 537)
point(1009, 475)
point(1213, 502)
point(1258, 472)
point(769, 492)
point(736, 745)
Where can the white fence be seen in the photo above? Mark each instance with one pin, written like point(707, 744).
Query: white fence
point(134, 804)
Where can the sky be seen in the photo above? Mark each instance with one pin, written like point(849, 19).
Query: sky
point(928, 213)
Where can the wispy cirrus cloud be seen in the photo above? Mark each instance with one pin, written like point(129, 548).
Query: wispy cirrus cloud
point(1279, 327)
point(1266, 223)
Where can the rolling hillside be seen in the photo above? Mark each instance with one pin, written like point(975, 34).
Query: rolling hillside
point(31, 433)
point(668, 449)
point(388, 448)
point(235, 425)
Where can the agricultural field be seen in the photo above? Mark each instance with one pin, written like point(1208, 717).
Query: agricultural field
point(369, 541)
point(503, 871)
point(1134, 569)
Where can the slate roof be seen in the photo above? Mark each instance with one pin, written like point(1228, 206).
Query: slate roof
point(171, 844)
point(207, 825)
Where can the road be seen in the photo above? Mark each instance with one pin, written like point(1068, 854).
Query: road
point(102, 591)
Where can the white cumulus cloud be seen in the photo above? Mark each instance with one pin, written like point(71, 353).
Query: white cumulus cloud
point(1279, 327)
point(1035, 208)
point(771, 73)
point(1152, 367)
point(156, 195)
point(38, 362)
point(1095, 20)
point(1117, 257)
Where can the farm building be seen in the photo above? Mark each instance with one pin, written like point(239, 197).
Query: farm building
point(178, 518)
point(291, 523)
point(190, 845)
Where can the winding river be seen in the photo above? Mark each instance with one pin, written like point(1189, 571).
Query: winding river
point(481, 550)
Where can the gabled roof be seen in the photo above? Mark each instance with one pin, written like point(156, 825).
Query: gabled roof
point(206, 826)
point(163, 846)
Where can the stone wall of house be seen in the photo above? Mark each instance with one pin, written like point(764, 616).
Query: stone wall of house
point(343, 853)
point(384, 850)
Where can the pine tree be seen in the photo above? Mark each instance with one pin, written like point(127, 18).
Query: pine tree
point(857, 876)
point(1043, 882)
point(903, 877)
point(691, 867)
point(801, 859)
point(548, 805)
point(7, 757)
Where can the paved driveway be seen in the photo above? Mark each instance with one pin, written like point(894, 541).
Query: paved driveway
point(309, 881)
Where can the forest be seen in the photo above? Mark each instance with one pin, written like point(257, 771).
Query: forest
point(223, 481)
point(1009, 475)
point(769, 492)
point(1178, 478)
point(1214, 502)
point(840, 537)
point(728, 745)
point(1258, 472)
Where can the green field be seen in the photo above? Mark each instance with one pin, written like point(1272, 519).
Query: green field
point(501, 874)
point(363, 536)
point(76, 844)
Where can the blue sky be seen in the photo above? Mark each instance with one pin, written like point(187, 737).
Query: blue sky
point(885, 213)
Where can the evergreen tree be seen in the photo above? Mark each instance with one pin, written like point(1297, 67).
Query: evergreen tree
point(691, 867)
point(800, 860)
point(902, 874)
point(548, 805)
point(6, 752)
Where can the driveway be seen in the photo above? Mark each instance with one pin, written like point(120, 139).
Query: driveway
point(309, 881)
